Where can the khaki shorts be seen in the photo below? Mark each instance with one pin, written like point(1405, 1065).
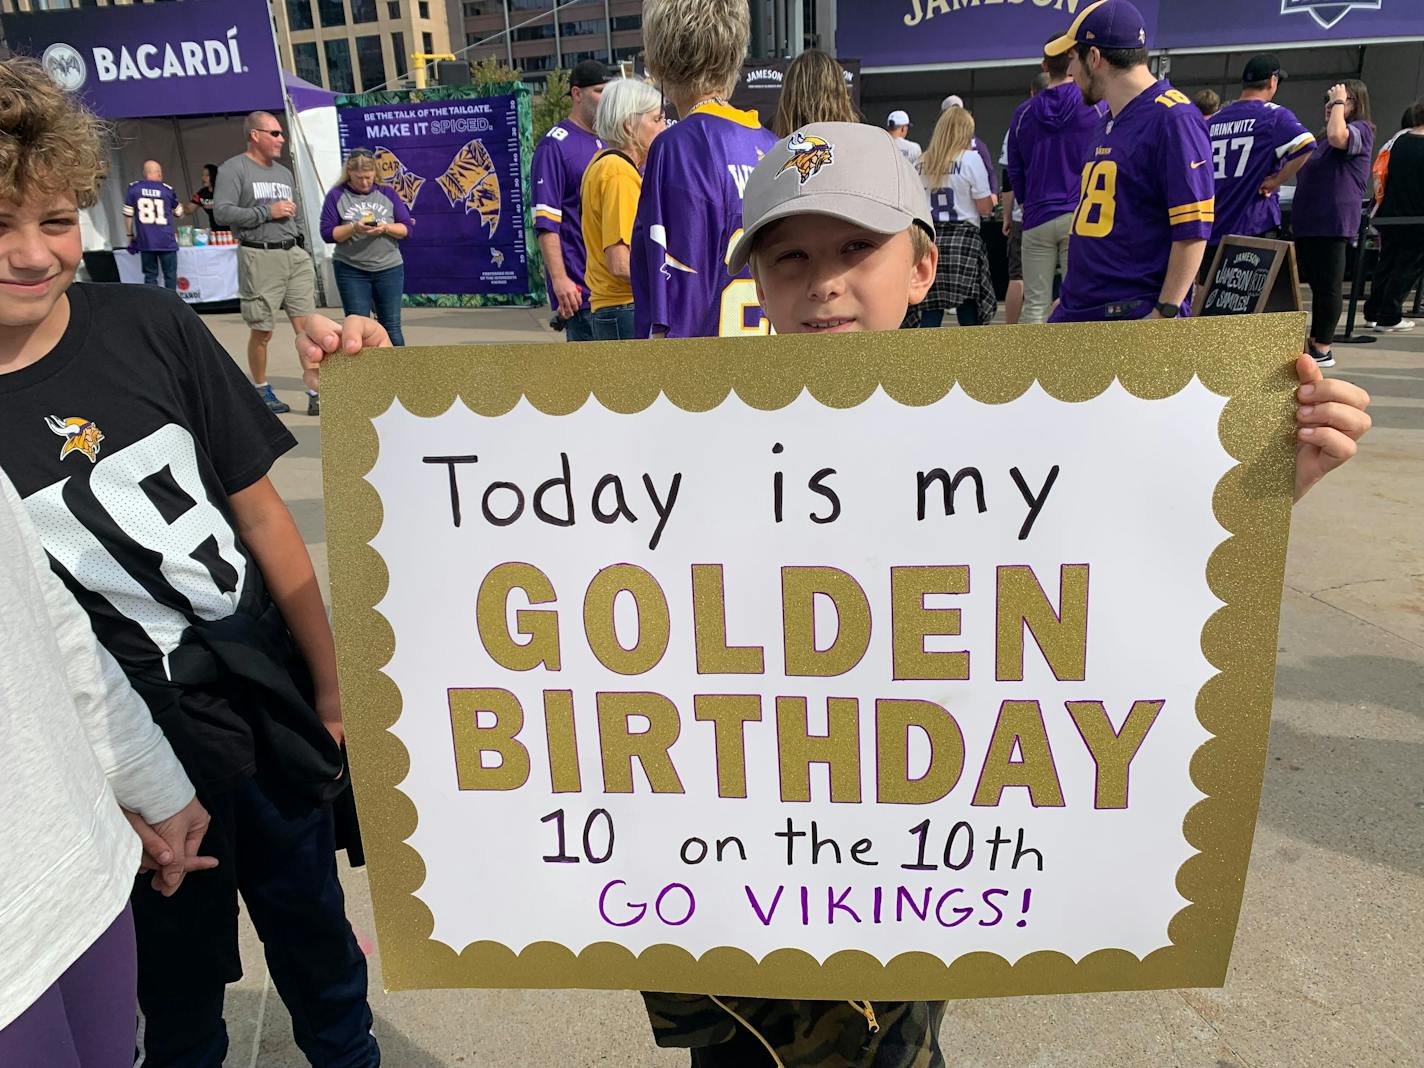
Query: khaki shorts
point(274, 279)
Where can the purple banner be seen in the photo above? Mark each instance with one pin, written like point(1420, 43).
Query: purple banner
point(201, 57)
point(455, 163)
point(928, 33)
point(1248, 23)
point(923, 33)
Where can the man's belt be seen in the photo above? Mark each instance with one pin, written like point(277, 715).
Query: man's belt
point(271, 246)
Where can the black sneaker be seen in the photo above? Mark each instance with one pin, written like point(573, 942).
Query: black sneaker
point(314, 403)
point(1322, 359)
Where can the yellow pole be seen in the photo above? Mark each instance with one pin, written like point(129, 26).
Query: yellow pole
point(419, 59)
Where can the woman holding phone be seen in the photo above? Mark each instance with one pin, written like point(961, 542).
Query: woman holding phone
point(366, 222)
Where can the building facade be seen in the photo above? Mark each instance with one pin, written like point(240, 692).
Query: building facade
point(354, 46)
point(544, 35)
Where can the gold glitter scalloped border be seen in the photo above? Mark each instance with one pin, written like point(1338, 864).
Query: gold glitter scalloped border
point(1249, 359)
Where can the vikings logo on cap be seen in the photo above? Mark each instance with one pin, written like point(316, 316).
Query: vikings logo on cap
point(80, 435)
point(471, 180)
point(807, 155)
point(392, 172)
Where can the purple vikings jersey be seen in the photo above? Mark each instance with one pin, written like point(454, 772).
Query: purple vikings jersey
point(152, 206)
point(689, 212)
point(1146, 183)
point(560, 159)
point(1250, 141)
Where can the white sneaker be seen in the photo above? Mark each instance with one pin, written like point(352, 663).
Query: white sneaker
point(1398, 328)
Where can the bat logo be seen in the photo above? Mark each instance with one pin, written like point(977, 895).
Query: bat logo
point(390, 171)
point(80, 435)
point(471, 180)
point(65, 66)
point(807, 155)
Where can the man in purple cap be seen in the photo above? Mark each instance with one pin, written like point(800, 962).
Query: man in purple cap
point(1047, 148)
point(1146, 203)
point(1257, 146)
point(562, 156)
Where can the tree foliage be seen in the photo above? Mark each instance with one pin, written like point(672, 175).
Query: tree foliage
point(553, 104)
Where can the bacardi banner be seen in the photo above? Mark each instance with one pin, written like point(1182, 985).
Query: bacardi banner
point(200, 57)
point(919, 664)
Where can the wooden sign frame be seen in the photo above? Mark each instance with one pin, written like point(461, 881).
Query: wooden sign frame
point(1281, 292)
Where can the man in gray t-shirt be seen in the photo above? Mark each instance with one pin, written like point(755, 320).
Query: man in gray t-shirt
point(253, 198)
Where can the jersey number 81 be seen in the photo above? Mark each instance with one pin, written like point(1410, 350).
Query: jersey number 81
point(1097, 204)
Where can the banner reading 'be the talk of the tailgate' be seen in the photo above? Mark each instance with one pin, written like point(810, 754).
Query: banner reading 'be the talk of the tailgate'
point(456, 164)
point(909, 665)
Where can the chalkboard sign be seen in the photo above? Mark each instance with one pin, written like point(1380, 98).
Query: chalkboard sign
point(1250, 275)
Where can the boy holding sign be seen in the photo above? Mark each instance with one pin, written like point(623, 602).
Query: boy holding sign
point(836, 237)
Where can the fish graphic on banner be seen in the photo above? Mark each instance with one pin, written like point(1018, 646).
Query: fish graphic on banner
point(471, 180)
point(392, 172)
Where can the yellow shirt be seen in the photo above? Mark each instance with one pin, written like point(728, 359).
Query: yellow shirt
point(611, 185)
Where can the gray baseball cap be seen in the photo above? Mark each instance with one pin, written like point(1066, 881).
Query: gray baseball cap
point(847, 170)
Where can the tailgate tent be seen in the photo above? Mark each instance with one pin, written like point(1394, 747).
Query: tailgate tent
point(176, 91)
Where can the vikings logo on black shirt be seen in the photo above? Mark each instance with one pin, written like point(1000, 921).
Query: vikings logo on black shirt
point(808, 154)
point(80, 435)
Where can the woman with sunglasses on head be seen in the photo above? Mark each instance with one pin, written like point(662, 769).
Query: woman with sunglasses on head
point(366, 222)
point(1325, 215)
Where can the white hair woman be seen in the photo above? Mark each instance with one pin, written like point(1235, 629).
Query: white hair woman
point(629, 116)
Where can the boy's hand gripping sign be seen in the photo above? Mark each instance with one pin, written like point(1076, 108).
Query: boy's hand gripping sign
point(897, 666)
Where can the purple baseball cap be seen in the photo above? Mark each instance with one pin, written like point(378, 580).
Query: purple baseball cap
point(1104, 24)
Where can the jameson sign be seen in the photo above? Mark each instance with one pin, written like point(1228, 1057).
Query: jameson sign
point(898, 667)
point(203, 57)
point(936, 32)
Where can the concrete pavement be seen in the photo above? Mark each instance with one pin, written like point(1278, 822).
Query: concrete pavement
point(1325, 968)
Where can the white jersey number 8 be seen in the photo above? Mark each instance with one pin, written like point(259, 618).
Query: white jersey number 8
point(151, 212)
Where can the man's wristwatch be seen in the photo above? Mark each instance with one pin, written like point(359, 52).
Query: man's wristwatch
point(1168, 311)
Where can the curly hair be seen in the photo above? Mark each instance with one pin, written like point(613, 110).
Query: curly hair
point(814, 90)
point(696, 45)
point(49, 142)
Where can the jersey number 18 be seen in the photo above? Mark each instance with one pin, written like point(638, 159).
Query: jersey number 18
point(1097, 204)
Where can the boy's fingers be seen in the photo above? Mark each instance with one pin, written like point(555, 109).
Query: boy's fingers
point(1307, 370)
point(1346, 418)
point(1333, 445)
point(1337, 389)
point(154, 847)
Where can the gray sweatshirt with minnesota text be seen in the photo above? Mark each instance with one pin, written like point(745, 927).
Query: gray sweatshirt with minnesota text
point(244, 195)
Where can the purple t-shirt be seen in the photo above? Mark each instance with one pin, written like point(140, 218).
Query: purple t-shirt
point(690, 208)
point(560, 159)
point(1048, 141)
point(1330, 189)
point(1146, 183)
point(152, 206)
point(1250, 141)
point(980, 147)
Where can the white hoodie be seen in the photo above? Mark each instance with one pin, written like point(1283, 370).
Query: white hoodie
point(77, 742)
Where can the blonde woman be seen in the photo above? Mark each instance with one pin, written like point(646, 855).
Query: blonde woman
point(629, 117)
point(365, 222)
point(814, 90)
point(957, 181)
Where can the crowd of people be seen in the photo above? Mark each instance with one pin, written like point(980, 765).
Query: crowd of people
point(175, 571)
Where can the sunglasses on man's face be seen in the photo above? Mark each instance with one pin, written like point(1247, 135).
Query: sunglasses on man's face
point(271, 133)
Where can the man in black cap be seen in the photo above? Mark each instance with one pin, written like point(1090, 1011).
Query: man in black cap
point(1256, 147)
point(560, 159)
